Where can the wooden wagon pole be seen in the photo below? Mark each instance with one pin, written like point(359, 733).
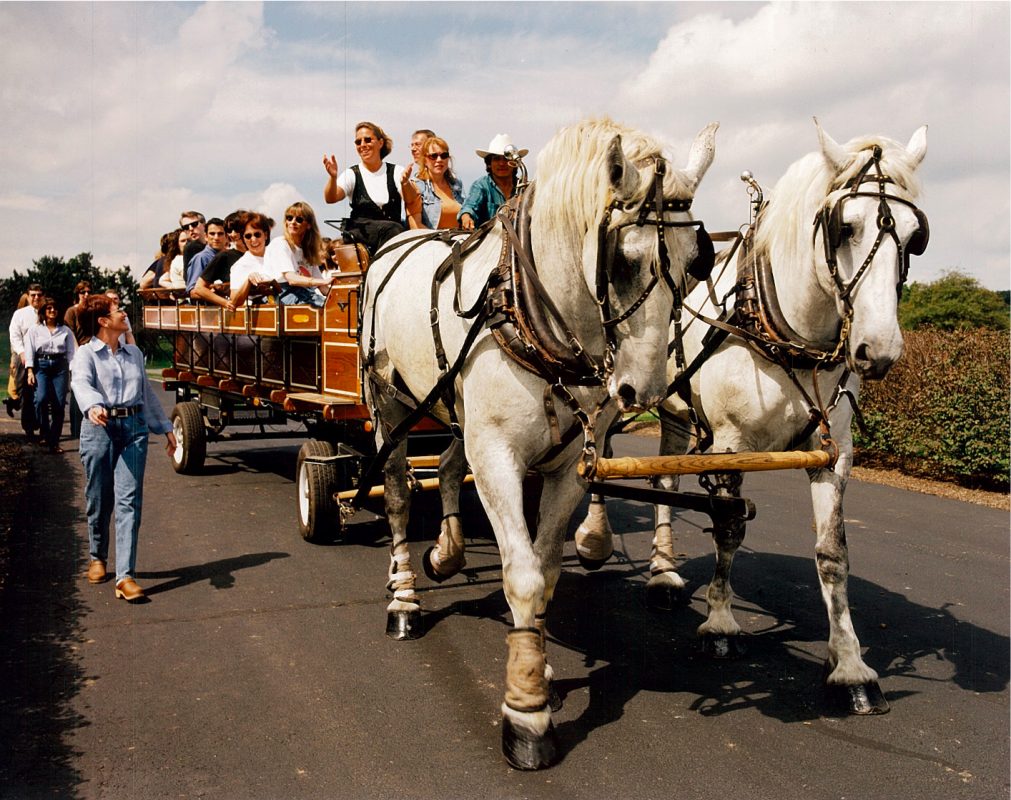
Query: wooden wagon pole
point(628, 467)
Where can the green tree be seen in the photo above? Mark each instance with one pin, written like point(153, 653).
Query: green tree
point(58, 277)
point(955, 301)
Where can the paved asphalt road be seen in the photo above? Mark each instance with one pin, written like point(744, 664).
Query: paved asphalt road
point(260, 668)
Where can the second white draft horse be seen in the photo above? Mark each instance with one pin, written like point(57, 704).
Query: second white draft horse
point(810, 303)
point(610, 239)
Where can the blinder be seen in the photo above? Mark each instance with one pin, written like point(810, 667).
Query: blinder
point(702, 265)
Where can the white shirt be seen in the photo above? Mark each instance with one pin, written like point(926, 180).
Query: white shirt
point(280, 257)
point(242, 269)
point(40, 342)
point(375, 182)
point(22, 321)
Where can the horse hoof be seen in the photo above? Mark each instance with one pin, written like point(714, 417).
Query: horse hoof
point(591, 564)
point(554, 699)
point(426, 563)
point(721, 646)
point(661, 596)
point(404, 625)
point(864, 699)
point(524, 749)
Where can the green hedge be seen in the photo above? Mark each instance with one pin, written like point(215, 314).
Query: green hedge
point(943, 410)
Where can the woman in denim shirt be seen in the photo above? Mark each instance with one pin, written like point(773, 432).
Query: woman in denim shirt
point(440, 192)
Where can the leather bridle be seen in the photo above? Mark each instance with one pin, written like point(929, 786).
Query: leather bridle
point(651, 212)
point(834, 231)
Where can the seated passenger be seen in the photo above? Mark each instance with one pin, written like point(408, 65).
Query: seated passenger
point(294, 260)
point(152, 275)
point(173, 277)
point(487, 194)
point(217, 242)
point(440, 192)
point(217, 272)
point(248, 272)
point(374, 188)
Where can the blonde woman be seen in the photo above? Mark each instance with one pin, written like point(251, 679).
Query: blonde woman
point(440, 192)
point(293, 260)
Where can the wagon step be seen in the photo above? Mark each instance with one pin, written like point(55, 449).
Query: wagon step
point(629, 467)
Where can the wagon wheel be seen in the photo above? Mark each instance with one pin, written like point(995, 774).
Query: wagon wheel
point(191, 438)
point(316, 485)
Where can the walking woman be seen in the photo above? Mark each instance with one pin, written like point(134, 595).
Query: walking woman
point(49, 348)
point(120, 411)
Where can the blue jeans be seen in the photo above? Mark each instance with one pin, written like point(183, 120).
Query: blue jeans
point(52, 376)
point(114, 458)
point(300, 295)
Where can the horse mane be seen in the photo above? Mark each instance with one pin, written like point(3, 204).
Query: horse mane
point(572, 174)
point(787, 219)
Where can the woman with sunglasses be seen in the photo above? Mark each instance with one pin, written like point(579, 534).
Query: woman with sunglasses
point(440, 192)
point(374, 187)
point(49, 348)
point(294, 259)
point(490, 192)
point(249, 271)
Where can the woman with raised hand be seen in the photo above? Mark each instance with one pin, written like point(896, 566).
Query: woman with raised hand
point(294, 259)
point(440, 192)
point(374, 188)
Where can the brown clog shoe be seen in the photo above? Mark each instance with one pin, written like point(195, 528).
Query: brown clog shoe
point(129, 590)
point(96, 572)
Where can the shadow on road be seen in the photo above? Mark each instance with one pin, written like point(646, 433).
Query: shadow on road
point(629, 648)
point(219, 573)
point(40, 609)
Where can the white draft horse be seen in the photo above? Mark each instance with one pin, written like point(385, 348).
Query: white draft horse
point(595, 181)
point(830, 251)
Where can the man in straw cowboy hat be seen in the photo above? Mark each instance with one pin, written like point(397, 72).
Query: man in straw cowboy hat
point(492, 190)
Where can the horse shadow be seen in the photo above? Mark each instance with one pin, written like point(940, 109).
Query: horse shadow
point(629, 648)
point(220, 574)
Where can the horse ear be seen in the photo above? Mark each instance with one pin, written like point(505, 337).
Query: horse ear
point(700, 157)
point(621, 172)
point(917, 147)
point(835, 156)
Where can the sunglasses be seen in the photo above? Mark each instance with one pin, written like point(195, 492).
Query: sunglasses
point(438, 156)
point(363, 140)
point(189, 226)
point(85, 291)
point(290, 217)
point(253, 235)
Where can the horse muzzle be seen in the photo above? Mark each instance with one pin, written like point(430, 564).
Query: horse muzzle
point(873, 364)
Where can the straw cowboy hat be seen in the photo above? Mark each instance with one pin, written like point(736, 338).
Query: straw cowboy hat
point(498, 147)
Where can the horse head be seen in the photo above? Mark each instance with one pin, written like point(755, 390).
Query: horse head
point(637, 257)
point(869, 226)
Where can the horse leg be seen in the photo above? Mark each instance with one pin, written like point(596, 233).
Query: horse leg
point(665, 588)
point(447, 556)
point(720, 633)
point(594, 537)
point(851, 686)
point(403, 614)
point(529, 740)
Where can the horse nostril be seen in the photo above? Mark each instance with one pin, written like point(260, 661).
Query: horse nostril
point(863, 353)
point(627, 395)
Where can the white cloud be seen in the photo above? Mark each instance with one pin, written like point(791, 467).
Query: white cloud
point(120, 115)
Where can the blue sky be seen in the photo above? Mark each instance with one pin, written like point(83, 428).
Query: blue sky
point(120, 115)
